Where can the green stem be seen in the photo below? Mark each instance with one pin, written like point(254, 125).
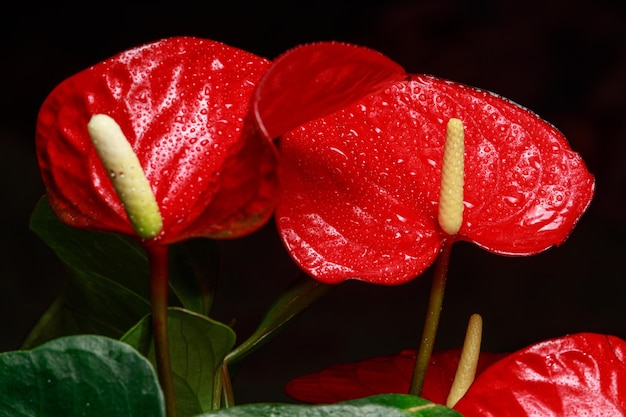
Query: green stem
point(159, 282)
point(432, 320)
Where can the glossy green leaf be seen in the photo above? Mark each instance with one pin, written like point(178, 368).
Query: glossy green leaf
point(197, 347)
point(79, 376)
point(387, 405)
point(108, 270)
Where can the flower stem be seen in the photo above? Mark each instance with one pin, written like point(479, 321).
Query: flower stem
point(159, 282)
point(432, 320)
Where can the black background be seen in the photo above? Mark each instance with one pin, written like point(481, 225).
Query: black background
point(566, 60)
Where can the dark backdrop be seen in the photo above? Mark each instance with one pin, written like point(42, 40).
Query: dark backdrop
point(566, 60)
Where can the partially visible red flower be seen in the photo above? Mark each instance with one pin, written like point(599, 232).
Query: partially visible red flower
point(360, 187)
point(381, 375)
point(577, 375)
point(583, 374)
point(183, 105)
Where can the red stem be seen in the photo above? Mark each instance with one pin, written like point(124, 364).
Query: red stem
point(432, 320)
point(227, 387)
point(159, 286)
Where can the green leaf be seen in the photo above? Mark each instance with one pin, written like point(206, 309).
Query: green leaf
point(108, 286)
point(90, 304)
point(79, 376)
point(197, 347)
point(388, 405)
point(117, 257)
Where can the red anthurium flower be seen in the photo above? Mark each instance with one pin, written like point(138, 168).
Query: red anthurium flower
point(382, 375)
point(182, 104)
point(361, 186)
point(578, 375)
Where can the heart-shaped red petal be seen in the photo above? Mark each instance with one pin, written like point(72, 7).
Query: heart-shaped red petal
point(182, 103)
point(578, 375)
point(361, 186)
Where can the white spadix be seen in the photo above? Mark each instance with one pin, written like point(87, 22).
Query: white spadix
point(128, 178)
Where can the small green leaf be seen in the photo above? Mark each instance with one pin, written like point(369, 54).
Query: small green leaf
point(197, 347)
point(79, 376)
point(387, 405)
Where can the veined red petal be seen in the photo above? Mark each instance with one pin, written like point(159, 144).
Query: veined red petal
point(360, 187)
point(525, 189)
point(182, 103)
point(577, 375)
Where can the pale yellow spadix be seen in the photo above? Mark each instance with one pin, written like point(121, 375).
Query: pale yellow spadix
point(125, 172)
point(466, 370)
point(451, 192)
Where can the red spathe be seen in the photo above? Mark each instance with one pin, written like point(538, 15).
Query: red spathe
point(183, 105)
point(360, 187)
point(578, 375)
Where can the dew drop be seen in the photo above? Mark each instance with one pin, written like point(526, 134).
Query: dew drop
point(216, 65)
point(512, 200)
